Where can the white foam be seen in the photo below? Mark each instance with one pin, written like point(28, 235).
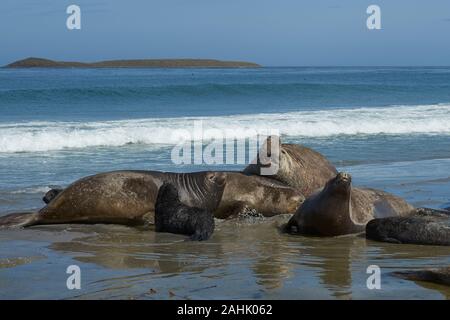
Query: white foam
point(46, 136)
point(31, 190)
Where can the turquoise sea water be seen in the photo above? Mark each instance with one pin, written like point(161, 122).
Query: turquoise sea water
point(388, 127)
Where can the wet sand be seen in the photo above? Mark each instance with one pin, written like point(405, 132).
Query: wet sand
point(247, 258)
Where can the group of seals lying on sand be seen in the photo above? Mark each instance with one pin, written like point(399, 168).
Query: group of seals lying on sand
point(129, 197)
point(332, 206)
point(264, 195)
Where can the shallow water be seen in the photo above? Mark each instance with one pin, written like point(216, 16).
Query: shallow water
point(388, 127)
point(245, 259)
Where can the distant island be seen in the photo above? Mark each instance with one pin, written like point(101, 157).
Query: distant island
point(144, 63)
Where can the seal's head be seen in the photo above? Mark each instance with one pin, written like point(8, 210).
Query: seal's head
point(342, 183)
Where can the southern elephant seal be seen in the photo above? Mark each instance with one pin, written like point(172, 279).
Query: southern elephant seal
point(297, 166)
point(121, 197)
point(175, 217)
point(128, 197)
point(339, 209)
point(420, 228)
point(243, 192)
point(439, 276)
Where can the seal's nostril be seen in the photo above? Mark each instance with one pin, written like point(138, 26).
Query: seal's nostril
point(344, 177)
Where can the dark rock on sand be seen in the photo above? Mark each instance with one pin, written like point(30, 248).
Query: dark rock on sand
point(427, 226)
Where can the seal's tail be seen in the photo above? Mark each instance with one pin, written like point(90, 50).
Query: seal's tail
point(19, 220)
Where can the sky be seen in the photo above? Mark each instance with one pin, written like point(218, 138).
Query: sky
point(268, 32)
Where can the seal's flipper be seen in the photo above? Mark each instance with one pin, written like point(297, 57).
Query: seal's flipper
point(201, 235)
point(19, 220)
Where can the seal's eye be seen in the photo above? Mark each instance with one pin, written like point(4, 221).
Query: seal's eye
point(213, 177)
point(216, 177)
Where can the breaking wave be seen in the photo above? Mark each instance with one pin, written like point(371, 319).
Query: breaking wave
point(394, 120)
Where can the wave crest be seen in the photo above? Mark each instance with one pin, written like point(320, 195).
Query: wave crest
point(398, 120)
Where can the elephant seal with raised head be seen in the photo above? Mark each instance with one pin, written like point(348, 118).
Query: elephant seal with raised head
point(297, 166)
point(420, 228)
point(121, 197)
point(171, 215)
point(339, 209)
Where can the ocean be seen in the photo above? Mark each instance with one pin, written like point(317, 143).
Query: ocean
point(388, 127)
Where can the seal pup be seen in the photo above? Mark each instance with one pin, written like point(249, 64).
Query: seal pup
point(420, 228)
point(297, 166)
point(439, 276)
point(171, 215)
point(121, 197)
point(339, 209)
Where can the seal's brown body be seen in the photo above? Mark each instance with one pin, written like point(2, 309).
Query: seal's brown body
point(266, 196)
point(122, 197)
point(339, 209)
point(128, 197)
